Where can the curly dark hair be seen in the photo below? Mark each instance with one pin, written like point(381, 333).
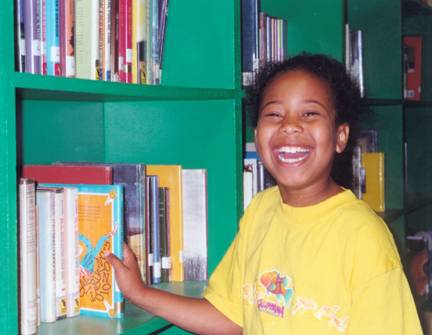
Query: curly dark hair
point(345, 94)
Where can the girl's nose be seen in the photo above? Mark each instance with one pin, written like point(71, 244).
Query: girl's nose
point(291, 126)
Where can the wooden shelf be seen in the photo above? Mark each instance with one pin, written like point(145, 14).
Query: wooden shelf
point(39, 87)
point(135, 322)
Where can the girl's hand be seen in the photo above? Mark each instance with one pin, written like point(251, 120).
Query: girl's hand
point(127, 273)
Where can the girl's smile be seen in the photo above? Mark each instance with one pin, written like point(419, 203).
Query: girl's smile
point(297, 136)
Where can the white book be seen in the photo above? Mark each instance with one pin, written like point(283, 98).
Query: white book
point(247, 187)
point(70, 243)
point(45, 200)
point(87, 38)
point(194, 190)
point(28, 258)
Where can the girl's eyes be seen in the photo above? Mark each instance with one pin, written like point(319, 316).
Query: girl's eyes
point(310, 114)
point(273, 114)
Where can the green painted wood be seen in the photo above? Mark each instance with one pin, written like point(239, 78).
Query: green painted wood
point(62, 131)
point(135, 322)
point(314, 25)
point(381, 23)
point(418, 123)
point(201, 44)
point(8, 181)
point(199, 134)
point(57, 88)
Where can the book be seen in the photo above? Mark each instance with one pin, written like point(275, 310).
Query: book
point(100, 222)
point(69, 174)
point(45, 199)
point(250, 24)
point(28, 257)
point(156, 266)
point(164, 233)
point(67, 38)
point(87, 60)
point(20, 35)
point(373, 191)
point(52, 10)
point(194, 190)
point(141, 33)
point(413, 66)
point(132, 178)
point(32, 36)
point(71, 251)
point(170, 176)
point(59, 249)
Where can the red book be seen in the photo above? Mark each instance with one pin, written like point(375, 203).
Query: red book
point(69, 174)
point(122, 31)
point(128, 35)
point(413, 66)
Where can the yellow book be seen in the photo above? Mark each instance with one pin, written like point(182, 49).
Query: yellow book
point(170, 176)
point(373, 163)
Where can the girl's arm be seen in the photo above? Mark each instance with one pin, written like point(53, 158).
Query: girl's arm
point(193, 314)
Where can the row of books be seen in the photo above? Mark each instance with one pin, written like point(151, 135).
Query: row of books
point(112, 40)
point(84, 211)
point(264, 39)
point(368, 170)
point(255, 177)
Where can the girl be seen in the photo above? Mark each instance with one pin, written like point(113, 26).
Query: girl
point(309, 258)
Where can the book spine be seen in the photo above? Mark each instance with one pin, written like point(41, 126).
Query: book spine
point(28, 257)
point(52, 37)
point(149, 60)
point(135, 18)
point(164, 226)
point(59, 248)
point(155, 42)
point(32, 36)
point(42, 37)
point(106, 75)
point(20, 27)
point(69, 39)
point(71, 251)
point(122, 39)
point(162, 31)
point(114, 76)
point(156, 276)
point(46, 229)
point(142, 41)
point(128, 51)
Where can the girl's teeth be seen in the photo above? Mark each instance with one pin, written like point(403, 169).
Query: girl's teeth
point(292, 155)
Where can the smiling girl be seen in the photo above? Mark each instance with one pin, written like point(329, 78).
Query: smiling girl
point(309, 258)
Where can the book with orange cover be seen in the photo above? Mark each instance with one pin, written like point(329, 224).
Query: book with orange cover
point(100, 225)
point(69, 174)
point(170, 176)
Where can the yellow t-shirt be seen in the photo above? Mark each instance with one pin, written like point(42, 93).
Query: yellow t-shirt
point(331, 268)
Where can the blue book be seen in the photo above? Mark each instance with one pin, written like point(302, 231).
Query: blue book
point(52, 17)
point(100, 225)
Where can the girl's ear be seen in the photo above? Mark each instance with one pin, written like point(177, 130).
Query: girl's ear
point(342, 135)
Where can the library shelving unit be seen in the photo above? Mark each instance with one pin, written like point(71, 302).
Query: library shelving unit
point(381, 24)
point(193, 118)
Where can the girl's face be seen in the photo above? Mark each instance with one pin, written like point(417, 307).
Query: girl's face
point(296, 135)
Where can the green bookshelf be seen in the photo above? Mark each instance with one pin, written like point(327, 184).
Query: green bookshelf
point(193, 118)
